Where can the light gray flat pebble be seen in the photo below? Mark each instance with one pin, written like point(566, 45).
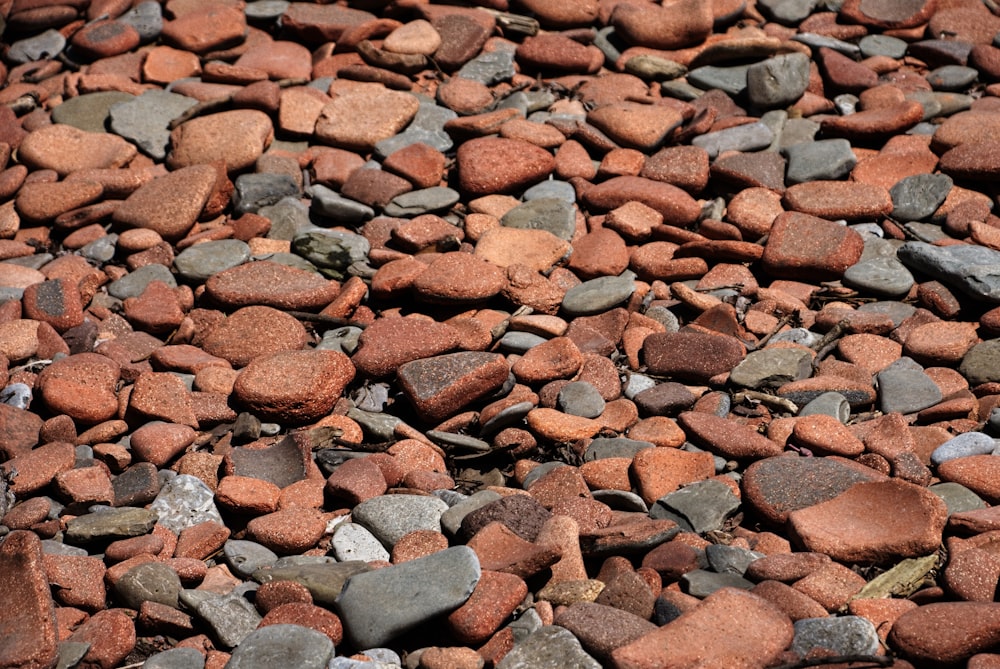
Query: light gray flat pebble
point(951, 77)
point(17, 395)
point(53, 547)
point(882, 276)
point(981, 363)
point(454, 441)
point(110, 523)
point(48, 44)
point(778, 81)
point(746, 137)
point(353, 542)
point(266, 10)
point(89, 112)
point(830, 404)
point(324, 580)
point(635, 384)
point(826, 159)
point(701, 583)
point(70, 653)
point(329, 204)
point(614, 447)
point(551, 647)
point(390, 517)
point(231, 617)
point(788, 12)
point(844, 635)
point(514, 341)
point(964, 445)
point(606, 40)
point(245, 557)
point(146, 18)
point(135, 282)
point(552, 214)
point(882, 45)
point(331, 249)
point(817, 41)
point(379, 605)
point(289, 216)
point(664, 317)
point(426, 127)
point(956, 497)
point(184, 502)
point(654, 68)
point(732, 79)
point(706, 505)
point(597, 295)
point(903, 386)
point(512, 415)
point(150, 581)
point(144, 119)
point(772, 367)
point(254, 191)
point(897, 311)
point(490, 67)
point(295, 645)
point(917, 196)
point(554, 188)
point(730, 559)
point(423, 201)
point(451, 520)
point(175, 658)
point(794, 131)
point(975, 270)
point(621, 500)
point(580, 398)
point(200, 261)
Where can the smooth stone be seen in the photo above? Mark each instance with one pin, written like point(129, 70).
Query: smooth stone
point(288, 218)
point(427, 127)
point(324, 578)
point(297, 646)
point(17, 395)
point(981, 363)
point(730, 559)
point(100, 250)
point(198, 262)
point(621, 500)
point(150, 581)
point(520, 342)
point(817, 41)
point(379, 605)
point(144, 119)
point(701, 583)
point(956, 497)
point(597, 295)
point(266, 10)
point(916, 197)
point(706, 505)
point(843, 635)
point(951, 77)
point(48, 44)
point(391, 517)
point(175, 658)
point(882, 45)
point(881, 276)
point(550, 646)
point(746, 137)
point(830, 404)
point(90, 111)
point(246, 557)
point(904, 387)
point(108, 523)
point(135, 282)
point(331, 249)
point(732, 80)
point(550, 214)
point(962, 445)
point(897, 311)
point(490, 67)
point(146, 18)
point(788, 12)
point(560, 190)
point(778, 81)
point(451, 520)
point(352, 541)
point(185, 501)
point(580, 398)
point(452, 441)
point(974, 270)
point(332, 205)
point(231, 617)
point(772, 367)
point(254, 191)
point(614, 447)
point(827, 159)
point(423, 201)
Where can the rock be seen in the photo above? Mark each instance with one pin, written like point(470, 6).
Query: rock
point(549, 646)
point(299, 645)
point(28, 621)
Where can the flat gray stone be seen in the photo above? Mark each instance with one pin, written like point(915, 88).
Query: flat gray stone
point(956, 497)
point(331, 249)
point(829, 404)
point(245, 557)
point(423, 201)
point(89, 112)
point(324, 580)
point(391, 517)
point(254, 191)
point(917, 196)
point(964, 445)
point(230, 617)
point(788, 12)
point(175, 658)
point(426, 127)
point(451, 520)
point(48, 44)
point(778, 81)
point(379, 605)
point(297, 646)
point(772, 367)
point(746, 137)
point(289, 216)
point(701, 583)
point(951, 77)
point(200, 261)
point(554, 188)
point(614, 447)
point(654, 68)
point(732, 80)
point(826, 159)
point(904, 387)
point(844, 635)
point(108, 524)
point(352, 541)
point(266, 10)
point(184, 502)
point(816, 41)
point(144, 119)
point(329, 204)
point(981, 363)
point(706, 505)
point(135, 282)
point(514, 341)
point(597, 295)
point(882, 45)
point(580, 398)
point(730, 559)
point(146, 18)
point(882, 276)
point(150, 581)
point(552, 214)
point(551, 647)
point(490, 67)
point(974, 270)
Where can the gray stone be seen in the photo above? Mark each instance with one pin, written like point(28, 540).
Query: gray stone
point(929, 100)
point(520, 342)
point(331, 249)
point(732, 79)
point(981, 363)
point(772, 367)
point(706, 505)
point(379, 605)
point(551, 214)
point(701, 583)
point(246, 557)
point(637, 383)
point(826, 159)
point(957, 498)
point(538, 472)
point(963, 445)
point(843, 635)
point(53, 547)
point(200, 261)
point(352, 541)
point(146, 18)
point(614, 447)
point(451, 520)
point(829, 404)
point(266, 10)
point(16, 395)
point(423, 201)
point(324, 579)
point(609, 43)
point(338, 209)
point(664, 317)
point(916, 197)
point(426, 127)
point(551, 647)
point(846, 104)
point(817, 41)
point(175, 658)
point(795, 131)
point(288, 259)
point(289, 645)
point(788, 12)
point(951, 77)
point(288, 218)
point(253, 191)
point(108, 524)
point(145, 120)
point(48, 44)
point(580, 398)
point(378, 426)
point(882, 276)
point(680, 89)
point(551, 188)
point(135, 282)
point(746, 137)
point(71, 652)
point(231, 617)
point(89, 112)
point(149, 581)
point(778, 81)
point(654, 68)
point(903, 386)
point(882, 45)
point(490, 67)
point(972, 269)
point(621, 500)
point(455, 441)
point(730, 559)
point(597, 295)
point(897, 311)
point(390, 517)
point(185, 502)
point(343, 339)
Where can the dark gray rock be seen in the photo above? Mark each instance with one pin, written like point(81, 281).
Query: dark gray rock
point(108, 524)
point(820, 160)
point(551, 647)
point(200, 261)
point(916, 197)
point(778, 81)
point(295, 645)
point(974, 270)
point(843, 635)
point(150, 581)
point(904, 387)
point(144, 120)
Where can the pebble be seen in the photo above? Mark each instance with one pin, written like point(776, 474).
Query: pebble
point(548, 646)
point(183, 502)
point(391, 517)
point(300, 645)
point(846, 635)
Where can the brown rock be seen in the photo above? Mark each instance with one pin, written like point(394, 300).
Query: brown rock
point(496, 165)
point(680, 24)
point(457, 278)
point(360, 117)
point(694, 356)
point(313, 382)
point(946, 632)
point(835, 200)
point(675, 205)
point(801, 246)
point(216, 26)
point(169, 205)
point(65, 149)
point(390, 342)
point(238, 138)
point(271, 284)
point(81, 386)
point(252, 332)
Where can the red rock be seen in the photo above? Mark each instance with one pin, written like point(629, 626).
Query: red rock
point(362, 116)
point(491, 603)
point(56, 302)
point(42, 202)
point(77, 580)
point(728, 438)
point(554, 53)
point(810, 248)
point(164, 64)
point(825, 435)
point(159, 443)
point(438, 387)
point(271, 284)
point(832, 586)
point(215, 26)
point(675, 205)
point(496, 165)
point(835, 200)
point(978, 159)
point(680, 24)
point(694, 356)
point(105, 38)
point(111, 635)
point(169, 205)
point(946, 632)
point(81, 386)
point(288, 531)
point(356, 480)
point(972, 574)
point(66, 149)
point(28, 622)
point(871, 124)
point(660, 471)
point(85, 485)
point(843, 74)
point(313, 382)
point(634, 125)
point(253, 332)
point(976, 472)
point(457, 278)
point(162, 396)
point(390, 342)
point(158, 309)
point(730, 628)
point(279, 59)
point(238, 138)
point(420, 164)
point(306, 614)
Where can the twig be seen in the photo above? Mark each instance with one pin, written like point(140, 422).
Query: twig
point(829, 341)
point(875, 660)
point(772, 401)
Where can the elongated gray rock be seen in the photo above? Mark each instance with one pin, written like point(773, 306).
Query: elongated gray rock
point(974, 270)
